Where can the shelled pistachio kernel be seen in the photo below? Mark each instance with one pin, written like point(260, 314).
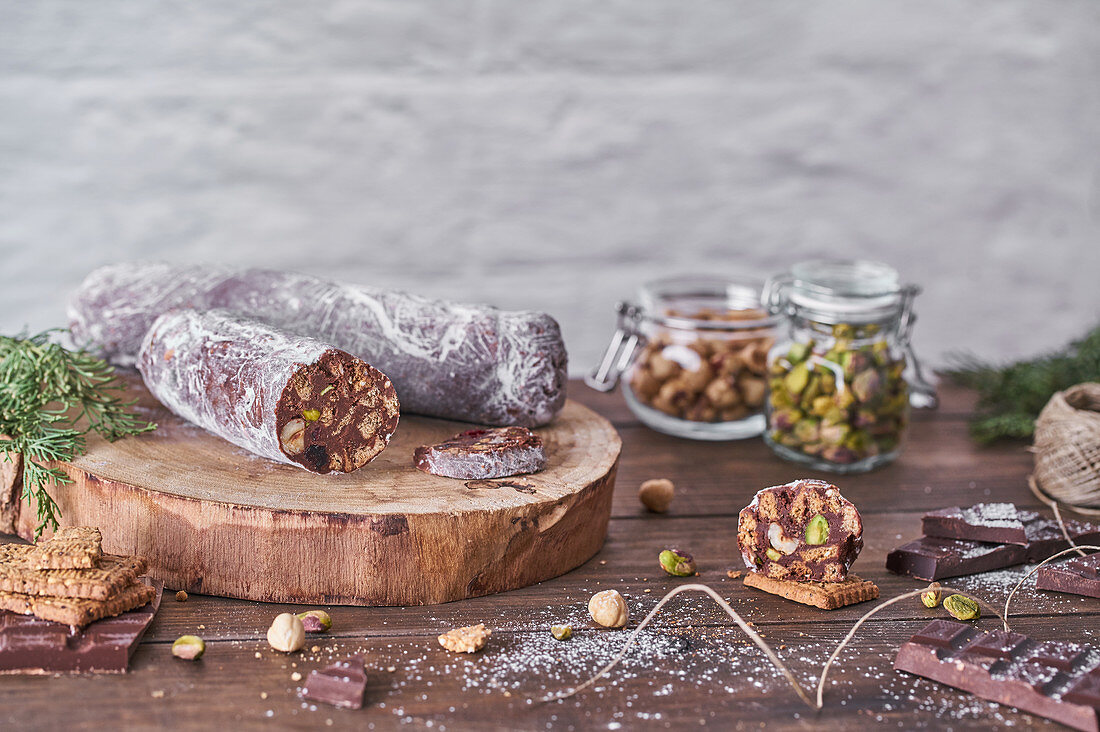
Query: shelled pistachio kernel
point(315, 621)
point(561, 632)
point(189, 647)
point(817, 531)
point(773, 554)
point(677, 563)
point(311, 415)
point(932, 596)
point(962, 607)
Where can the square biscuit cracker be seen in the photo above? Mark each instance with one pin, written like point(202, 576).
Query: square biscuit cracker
point(97, 583)
point(74, 611)
point(825, 595)
point(71, 547)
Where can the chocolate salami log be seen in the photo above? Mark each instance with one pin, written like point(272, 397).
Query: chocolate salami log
point(467, 362)
point(284, 397)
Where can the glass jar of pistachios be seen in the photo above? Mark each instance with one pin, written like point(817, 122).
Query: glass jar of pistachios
point(692, 353)
point(838, 397)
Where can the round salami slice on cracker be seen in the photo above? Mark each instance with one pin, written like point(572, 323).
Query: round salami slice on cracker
point(484, 453)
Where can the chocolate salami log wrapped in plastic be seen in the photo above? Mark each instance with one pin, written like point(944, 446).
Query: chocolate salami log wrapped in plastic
point(468, 362)
point(284, 397)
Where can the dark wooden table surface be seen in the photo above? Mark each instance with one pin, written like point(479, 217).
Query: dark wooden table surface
point(695, 668)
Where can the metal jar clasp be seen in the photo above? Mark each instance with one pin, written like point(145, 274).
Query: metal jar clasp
point(619, 351)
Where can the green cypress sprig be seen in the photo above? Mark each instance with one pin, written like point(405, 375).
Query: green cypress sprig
point(1011, 396)
point(50, 398)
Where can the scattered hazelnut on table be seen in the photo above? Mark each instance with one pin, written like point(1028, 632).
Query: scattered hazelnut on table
point(181, 596)
point(656, 494)
point(315, 621)
point(608, 608)
point(470, 639)
point(189, 647)
point(286, 633)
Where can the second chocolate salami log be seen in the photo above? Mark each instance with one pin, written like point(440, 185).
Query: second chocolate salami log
point(467, 362)
point(282, 396)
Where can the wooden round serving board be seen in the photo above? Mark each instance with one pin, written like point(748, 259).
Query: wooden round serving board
point(212, 518)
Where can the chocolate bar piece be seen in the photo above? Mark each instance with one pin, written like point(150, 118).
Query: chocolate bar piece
point(825, 595)
point(70, 547)
point(1059, 681)
point(282, 396)
point(929, 558)
point(481, 454)
point(994, 522)
point(342, 684)
point(803, 530)
point(1078, 576)
point(473, 363)
point(933, 558)
point(30, 645)
point(112, 574)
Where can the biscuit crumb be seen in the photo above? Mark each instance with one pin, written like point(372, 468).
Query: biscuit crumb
point(158, 694)
point(470, 639)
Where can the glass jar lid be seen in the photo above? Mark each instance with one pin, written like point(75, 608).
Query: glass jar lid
point(840, 291)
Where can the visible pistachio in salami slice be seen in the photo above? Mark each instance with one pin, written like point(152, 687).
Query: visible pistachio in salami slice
point(285, 397)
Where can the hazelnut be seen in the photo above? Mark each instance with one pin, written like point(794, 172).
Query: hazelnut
point(663, 368)
point(753, 390)
point(656, 494)
point(608, 608)
point(286, 633)
point(722, 394)
point(292, 437)
point(644, 384)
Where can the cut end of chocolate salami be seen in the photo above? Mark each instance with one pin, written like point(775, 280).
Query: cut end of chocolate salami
point(485, 453)
point(800, 531)
point(337, 414)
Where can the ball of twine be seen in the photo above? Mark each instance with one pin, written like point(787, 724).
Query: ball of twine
point(1067, 446)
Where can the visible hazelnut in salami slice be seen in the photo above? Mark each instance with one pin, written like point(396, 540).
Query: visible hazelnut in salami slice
point(804, 530)
point(486, 453)
point(282, 396)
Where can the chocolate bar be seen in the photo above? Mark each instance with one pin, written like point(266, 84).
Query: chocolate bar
point(934, 558)
point(1059, 681)
point(994, 522)
point(29, 645)
point(1079, 576)
point(342, 684)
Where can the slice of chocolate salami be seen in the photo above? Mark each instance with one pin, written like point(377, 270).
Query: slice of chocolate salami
point(473, 363)
point(803, 530)
point(478, 454)
point(291, 399)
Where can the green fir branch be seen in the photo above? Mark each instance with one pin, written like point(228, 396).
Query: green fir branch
point(1011, 396)
point(50, 399)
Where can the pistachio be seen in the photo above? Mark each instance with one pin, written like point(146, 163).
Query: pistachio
point(817, 530)
point(189, 647)
point(677, 563)
point(773, 555)
point(311, 415)
point(656, 494)
point(315, 621)
point(931, 597)
point(962, 607)
point(608, 608)
point(795, 381)
point(286, 634)
point(561, 632)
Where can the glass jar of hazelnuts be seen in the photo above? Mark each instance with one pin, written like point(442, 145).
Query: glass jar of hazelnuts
point(838, 393)
point(692, 352)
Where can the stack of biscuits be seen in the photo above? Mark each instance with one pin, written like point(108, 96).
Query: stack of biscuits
point(799, 540)
point(68, 579)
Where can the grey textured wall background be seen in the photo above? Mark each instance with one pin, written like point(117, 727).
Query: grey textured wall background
point(553, 155)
